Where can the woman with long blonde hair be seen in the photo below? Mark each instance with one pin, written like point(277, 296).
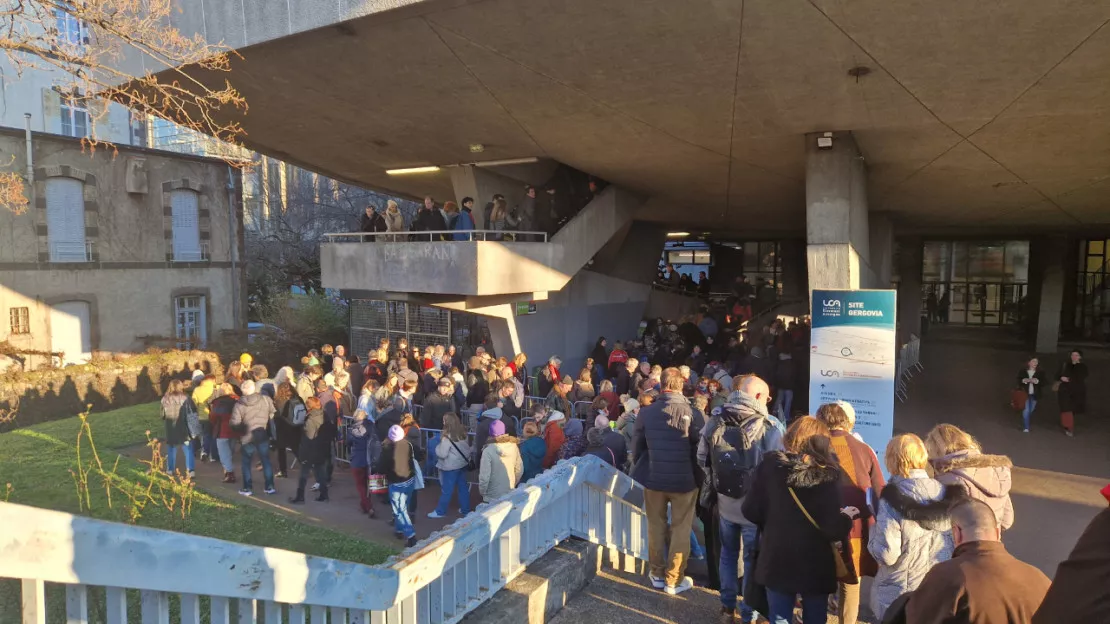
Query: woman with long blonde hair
point(957, 459)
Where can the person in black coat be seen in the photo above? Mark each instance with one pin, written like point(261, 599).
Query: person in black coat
point(313, 451)
point(371, 221)
point(795, 556)
point(1072, 392)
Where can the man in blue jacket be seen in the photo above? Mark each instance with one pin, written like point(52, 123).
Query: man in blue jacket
point(665, 442)
point(464, 223)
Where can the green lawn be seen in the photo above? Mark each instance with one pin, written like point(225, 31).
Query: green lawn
point(37, 461)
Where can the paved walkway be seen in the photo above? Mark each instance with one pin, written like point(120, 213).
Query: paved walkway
point(341, 512)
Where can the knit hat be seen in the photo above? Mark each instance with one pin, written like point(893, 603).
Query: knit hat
point(630, 405)
point(246, 359)
point(848, 410)
point(396, 433)
point(556, 417)
point(601, 422)
point(573, 428)
point(198, 374)
point(496, 428)
point(567, 380)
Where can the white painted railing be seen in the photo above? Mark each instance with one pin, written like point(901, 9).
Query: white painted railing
point(437, 581)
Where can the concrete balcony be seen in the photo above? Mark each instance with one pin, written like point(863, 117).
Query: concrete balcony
point(351, 262)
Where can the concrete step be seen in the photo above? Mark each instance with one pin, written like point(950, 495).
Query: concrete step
point(615, 597)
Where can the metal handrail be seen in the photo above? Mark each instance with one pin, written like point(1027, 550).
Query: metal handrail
point(485, 235)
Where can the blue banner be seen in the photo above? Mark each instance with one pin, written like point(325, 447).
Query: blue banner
point(852, 358)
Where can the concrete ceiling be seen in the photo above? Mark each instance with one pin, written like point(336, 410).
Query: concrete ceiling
point(975, 116)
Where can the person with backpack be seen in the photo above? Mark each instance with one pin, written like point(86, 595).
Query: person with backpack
point(313, 451)
point(251, 416)
point(291, 414)
point(731, 447)
point(177, 428)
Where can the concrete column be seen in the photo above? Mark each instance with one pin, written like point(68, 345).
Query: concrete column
point(794, 274)
point(1048, 268)
point(911, 255)
point(881, 248)
point(837, 233)
point(482, 184)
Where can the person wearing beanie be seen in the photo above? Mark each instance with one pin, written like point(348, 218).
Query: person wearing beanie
point(612, 440)
point(532, 451)
point(246, 360)
point(575, 443)
point(554, 437)
point(595, 446)
point(398, 463)
point(501, 466)
point(626, 424)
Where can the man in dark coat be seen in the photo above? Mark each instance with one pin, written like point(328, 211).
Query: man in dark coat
point(981, 583)
point(664, 446)
point(438, 403)
point(371, 221)
point(1079, 592)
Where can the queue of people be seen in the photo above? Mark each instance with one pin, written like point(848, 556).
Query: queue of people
point(795, 508)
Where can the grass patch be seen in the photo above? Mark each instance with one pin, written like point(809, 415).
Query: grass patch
point(37, 461)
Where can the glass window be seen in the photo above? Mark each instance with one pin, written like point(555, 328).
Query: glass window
point(192, 331)
point(768, 256)
point(1017, 262)
point(751, 256)
point(1096, 247)
point(71, 30)
point(959, 262)
point(1095, 264)
point(19, 320)
point(75, 117)
point(186, 226)
point(985, 261)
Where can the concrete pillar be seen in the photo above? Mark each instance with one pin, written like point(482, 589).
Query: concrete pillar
point(881, 248)
point(837, 232)
point(911, 256)
point(482, 184)
point(1048, 268)
point(794, 275)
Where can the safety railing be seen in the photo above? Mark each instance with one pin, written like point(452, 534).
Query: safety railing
point(909, 360)
point(439, 580)
point(437, 236)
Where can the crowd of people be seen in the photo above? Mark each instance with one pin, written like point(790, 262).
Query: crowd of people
point(794, 505)
point(542, 210)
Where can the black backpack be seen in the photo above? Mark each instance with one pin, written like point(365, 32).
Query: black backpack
point(733, 466)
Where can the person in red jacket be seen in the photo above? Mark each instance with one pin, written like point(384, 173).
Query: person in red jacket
point(219, 417)
point(553, 437)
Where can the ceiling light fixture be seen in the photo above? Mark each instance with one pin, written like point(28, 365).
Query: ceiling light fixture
point(677, 234)
point(408, 170)
point(508, 161)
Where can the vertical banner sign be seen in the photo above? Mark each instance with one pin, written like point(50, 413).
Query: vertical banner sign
point(852, 358)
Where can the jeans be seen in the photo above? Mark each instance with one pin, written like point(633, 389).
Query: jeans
point(399, 494)
point(223, 449)
point(317, 471)
point(453, 481)
point(1027, 413)
point(784, 400)
point(737, 540)
point(171, 457)
point(249, 451)
point(814, 607)
point(207, 440)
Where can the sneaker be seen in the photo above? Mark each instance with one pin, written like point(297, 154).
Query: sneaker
point(315, 486)
point(271, 491)
point(1069, 433)
point(657, 582)
point(246, 492)
point(281, 475)
point(203, 456)
point(410, 542)
point(1025, 431)
point(686, 583)
point(436, 514)
point(728, 616)
point(192, 475)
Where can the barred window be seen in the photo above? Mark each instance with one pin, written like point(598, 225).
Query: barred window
point(19, 320)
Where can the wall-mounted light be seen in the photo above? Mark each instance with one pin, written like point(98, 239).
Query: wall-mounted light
point(408, 170)
point(677, 234)
point(825, 141)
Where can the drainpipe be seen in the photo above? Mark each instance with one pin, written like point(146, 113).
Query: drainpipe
point(233, 248)
point(30, 156)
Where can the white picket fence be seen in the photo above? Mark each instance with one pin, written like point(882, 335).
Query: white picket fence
point(438, 581)
point(909, 360)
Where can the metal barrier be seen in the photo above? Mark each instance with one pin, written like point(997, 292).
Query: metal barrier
point(440, 580)
point(581, 409)
point(909, 359)
point(429, 439)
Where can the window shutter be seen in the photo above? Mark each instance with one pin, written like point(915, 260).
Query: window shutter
point(186, 226)
point(65, 220)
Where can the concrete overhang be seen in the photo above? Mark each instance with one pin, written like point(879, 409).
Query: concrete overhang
point(971, 116)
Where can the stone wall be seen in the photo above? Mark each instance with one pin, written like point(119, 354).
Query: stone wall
point(27, 398)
